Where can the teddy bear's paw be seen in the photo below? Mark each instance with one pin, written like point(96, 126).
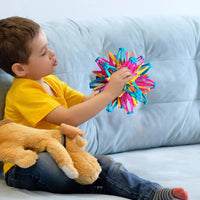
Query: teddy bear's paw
point(70, 173)
point(27, 159)
point(86, 179)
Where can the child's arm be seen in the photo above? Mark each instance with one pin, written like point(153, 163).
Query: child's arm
point(91, 105)
point(86, 98)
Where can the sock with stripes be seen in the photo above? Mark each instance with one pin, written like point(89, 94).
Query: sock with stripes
point(171, 194)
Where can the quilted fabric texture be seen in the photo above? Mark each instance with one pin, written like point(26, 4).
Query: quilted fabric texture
point(171, 44)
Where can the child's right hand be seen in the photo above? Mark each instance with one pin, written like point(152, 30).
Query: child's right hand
point(117, 81)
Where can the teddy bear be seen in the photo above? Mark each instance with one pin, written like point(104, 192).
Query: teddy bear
point(20, 144)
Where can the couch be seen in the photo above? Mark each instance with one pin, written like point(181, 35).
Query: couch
point(161, 140)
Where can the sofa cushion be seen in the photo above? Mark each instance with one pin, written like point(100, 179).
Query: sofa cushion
point(5, 83)
point(171, 44)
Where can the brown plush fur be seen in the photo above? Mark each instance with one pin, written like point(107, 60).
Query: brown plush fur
point(20, 144)
point(83, 161)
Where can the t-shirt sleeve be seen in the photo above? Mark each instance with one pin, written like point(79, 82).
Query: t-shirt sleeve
point(72, 96)
point(33, 104)
point(30, 103)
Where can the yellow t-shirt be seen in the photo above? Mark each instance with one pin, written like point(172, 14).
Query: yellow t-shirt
point(27, 102)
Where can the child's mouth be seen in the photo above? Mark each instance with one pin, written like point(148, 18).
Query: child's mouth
point(55, 63)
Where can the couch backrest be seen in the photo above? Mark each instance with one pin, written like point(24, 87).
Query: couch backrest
point(5, 83)
point(171, 44)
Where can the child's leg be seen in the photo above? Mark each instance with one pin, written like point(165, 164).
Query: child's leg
point(116, 180)
point(44, 175)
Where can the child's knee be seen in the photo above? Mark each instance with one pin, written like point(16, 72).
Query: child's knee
point(104, 160)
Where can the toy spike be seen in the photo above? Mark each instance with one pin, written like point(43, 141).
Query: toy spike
point(135, 90)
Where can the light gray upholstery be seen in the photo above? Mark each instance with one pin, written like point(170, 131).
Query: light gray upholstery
point(160, 141)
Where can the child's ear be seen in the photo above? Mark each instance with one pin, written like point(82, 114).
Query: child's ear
point(19, 69)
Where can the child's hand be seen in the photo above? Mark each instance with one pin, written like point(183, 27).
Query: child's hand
point(118, 80)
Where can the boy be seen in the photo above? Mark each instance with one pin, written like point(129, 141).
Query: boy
point(39, 99)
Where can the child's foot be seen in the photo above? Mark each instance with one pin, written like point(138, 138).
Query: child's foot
point(171, 194)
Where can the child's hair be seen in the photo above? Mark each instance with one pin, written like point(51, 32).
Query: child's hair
point(16, 35)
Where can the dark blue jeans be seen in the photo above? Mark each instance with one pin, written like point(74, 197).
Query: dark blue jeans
point(114, 179)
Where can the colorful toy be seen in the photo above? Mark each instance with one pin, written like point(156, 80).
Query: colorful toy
point(135, 90)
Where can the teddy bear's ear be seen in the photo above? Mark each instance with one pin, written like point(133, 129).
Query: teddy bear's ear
point(5, 121)
point(70, 131)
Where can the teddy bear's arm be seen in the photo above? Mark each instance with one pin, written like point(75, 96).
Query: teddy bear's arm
point(63, 159)
point(70, 131)
point(87, 165)
point(17, 155)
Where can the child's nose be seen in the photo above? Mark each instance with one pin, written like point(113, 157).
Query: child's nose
point(51, 53)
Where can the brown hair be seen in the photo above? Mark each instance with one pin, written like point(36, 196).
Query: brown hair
point(16, 35)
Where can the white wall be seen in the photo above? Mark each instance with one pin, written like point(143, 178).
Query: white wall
point(43, 10)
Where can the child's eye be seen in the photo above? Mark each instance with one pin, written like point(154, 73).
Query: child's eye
point(43, 54)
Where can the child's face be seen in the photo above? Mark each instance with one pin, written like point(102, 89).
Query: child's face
point(42, 60)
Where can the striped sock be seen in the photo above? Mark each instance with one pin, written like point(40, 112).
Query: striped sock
point(171, 194)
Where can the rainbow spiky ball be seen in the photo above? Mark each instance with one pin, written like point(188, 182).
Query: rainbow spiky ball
point(135, 90)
